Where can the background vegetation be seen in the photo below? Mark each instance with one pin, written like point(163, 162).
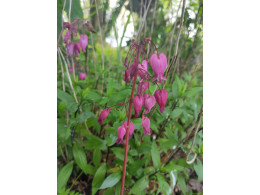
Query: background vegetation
point(88, 159)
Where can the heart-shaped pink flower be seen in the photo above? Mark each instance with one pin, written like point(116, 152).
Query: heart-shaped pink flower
point(161, 96)
point(131, 127)
point(83, 42)
point(158, 65)
point(146, 125)
point(149, 102)
point(120, 134)
point(138, 103)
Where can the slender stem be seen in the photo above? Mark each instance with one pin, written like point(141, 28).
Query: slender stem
point(128, 122)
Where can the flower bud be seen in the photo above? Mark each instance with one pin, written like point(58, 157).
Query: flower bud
point(161, 96)
point(158, 65)
point(142, 86)
point(77, 49)
point(70, 48)
point(131, 127)
point(83, 42)
point(103, 115)
point(120, 134)
point(138, 103)
point(149, 102)
point(146, 125)
point(143, 69)
point(127, 76)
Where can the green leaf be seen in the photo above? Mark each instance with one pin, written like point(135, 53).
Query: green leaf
point(96, 157)
point(109, 191)
point(139, 186)
point(182, 183)
point(64, 96)
point(120, 154)
point(155, 155)
point(80, 157)
point(84, 116)
point(199, 169)
point(163, 185)
point(76, 10)
point(176, 112)
point(94, 142)
point(64, 175)
point(98, 178)
point(111, 180)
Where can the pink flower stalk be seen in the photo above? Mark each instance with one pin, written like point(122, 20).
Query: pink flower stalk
point(149, 102)
point(158, 65)
point(127, 76)
point(138, 103)
point(66, 38)
point(70, 48)
point(83, 42)
point(146, 125)
point(142, 86)
point(131, 127)
point(77, 49)
point(82, 75)
point(143, 69)
point(103, 115)
point(161, 96)
point(120, 134)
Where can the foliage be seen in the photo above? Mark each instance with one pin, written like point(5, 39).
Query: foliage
point(88, 152)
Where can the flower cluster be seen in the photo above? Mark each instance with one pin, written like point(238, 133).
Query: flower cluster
point(74, 47)
point(133, 70)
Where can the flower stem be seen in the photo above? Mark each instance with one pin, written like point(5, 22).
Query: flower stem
point(128, 122)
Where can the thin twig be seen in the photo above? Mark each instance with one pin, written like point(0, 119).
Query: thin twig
point(70, 9)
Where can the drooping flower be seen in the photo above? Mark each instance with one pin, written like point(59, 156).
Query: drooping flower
point(131, 127)
point(103, 115)
point(143, 69)
point(158, 65)
point(161, 96)
point(83, 42)
point(146, 125)
point(66, 38)
point(133, 69)
point(70, 48)
point(73, 28)
point(138, 103)
point(120, 134)
point(127, 76)
point(149, 102)
point(77, 49)
point(142, 86)
point(82, 75)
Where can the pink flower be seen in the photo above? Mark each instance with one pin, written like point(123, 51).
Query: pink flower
point(120, 134)
point(143, 69)
point(158, 65)
point(77, 49)
point(146, 125)
point(138, 103)
point(131, 127)
point(83, 42)
point(71, 70)
point(133, 69)
point(161, 96)
point(66, 38)
point(103, 115)
point(142, 86)
point(66, 25)
point(127, 76)
point(82, 75)
point(70, 48)
point(149, 102)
